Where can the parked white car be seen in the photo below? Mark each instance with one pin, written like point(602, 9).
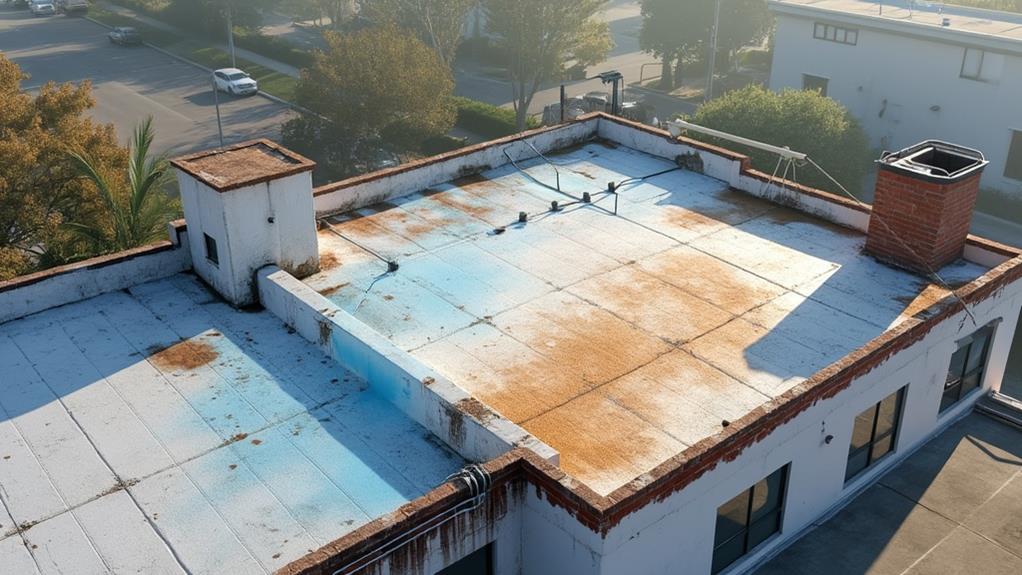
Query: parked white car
point(41, 8)
point(235, 81)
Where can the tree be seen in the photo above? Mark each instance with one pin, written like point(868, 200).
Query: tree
point(211, 15)
point(381, 87)
point(136, 208)
point(338, 11)
point(39, 187)
point(802, 120)
point(438, 23)
point(675, 30)
point(540, 37)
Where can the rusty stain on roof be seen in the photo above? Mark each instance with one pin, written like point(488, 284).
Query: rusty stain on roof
point(548, 322)
point(187, 355)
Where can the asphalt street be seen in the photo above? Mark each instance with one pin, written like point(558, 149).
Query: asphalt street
point(130, 83)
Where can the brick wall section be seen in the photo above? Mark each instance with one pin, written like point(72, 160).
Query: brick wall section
point(931, 218)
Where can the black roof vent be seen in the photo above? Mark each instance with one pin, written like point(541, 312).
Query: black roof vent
point(935, 160)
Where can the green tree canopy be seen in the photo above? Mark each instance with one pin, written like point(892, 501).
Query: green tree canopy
point(39, 186)
point(804, 121)
point(674, 30)
point(381, 86)
point(438, 23)
point(540, 37)
point(135, 207)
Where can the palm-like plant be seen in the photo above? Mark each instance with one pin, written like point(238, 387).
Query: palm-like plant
point(138, 209)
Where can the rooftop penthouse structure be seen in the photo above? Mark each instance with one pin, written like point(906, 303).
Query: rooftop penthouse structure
point(591, 348)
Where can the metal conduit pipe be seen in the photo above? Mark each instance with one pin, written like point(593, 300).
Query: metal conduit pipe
point(479, 483)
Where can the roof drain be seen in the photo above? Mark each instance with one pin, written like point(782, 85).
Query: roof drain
point(479, 483)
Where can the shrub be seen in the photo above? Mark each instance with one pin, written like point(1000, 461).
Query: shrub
point(805, 121)
point(274, 48)
point(486, 120)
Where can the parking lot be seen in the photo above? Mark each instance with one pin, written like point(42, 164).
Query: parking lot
point(131, 83)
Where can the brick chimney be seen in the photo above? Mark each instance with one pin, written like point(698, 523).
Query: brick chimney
point(923, 205)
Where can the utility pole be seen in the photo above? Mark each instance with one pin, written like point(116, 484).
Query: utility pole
point(713, 54)
point(216, 102)
point(230, 38)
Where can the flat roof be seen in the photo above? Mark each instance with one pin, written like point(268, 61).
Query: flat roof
point(619, 340)
point(161, 430)
point(1006, 25)
point(243, 165)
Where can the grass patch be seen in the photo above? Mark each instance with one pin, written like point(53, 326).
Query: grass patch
point(270, 81)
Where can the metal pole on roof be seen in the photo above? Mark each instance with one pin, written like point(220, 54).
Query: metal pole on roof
point(713, 54)
point(676, 127)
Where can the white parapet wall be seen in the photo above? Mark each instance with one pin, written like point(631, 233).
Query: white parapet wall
point(446, 410)
point(55, 287)
point(382, 186)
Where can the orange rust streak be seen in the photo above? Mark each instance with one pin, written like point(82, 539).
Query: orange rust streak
point(185, 355)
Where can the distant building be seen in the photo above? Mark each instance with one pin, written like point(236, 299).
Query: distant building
point(912, 73)
point(588, 349)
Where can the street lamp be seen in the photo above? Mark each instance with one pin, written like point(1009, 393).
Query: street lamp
point(230, 38)
point(713, 54)
point(216, 102)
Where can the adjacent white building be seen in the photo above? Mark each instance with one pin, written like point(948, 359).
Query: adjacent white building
point(911, 72)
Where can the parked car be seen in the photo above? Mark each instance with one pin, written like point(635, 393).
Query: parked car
point(42, 8)
point(125, 36)
point(234, 81)
point(72, 6)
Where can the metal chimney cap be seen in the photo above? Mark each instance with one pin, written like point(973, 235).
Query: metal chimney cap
point(935, 161)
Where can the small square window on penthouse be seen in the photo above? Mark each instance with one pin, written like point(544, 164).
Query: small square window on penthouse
point(211, 253)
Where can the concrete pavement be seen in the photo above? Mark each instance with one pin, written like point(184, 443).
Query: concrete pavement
point(130, 83)
point(951, 508)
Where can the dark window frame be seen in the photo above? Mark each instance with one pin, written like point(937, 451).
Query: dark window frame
point(822, 89)
point(1014, 170)
point(874, 439)
point(774, 515)
point(836, 34)
point(955, 389)
point(484, 554)
point(212, 255)
point(979, 69)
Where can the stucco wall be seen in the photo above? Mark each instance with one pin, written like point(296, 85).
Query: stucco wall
point(67, 284)
point(890, 81)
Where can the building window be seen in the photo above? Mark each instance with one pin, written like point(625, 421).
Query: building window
point(981, 65)
point(749, 519)
point(211, 253)
point(837, 34)
point(815, 83)
point(874, 434)
point(967, 366)
point(1013, 167)
point(479, 562)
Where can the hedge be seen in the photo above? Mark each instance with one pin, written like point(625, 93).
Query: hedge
point(273, 48)
point(487, 120)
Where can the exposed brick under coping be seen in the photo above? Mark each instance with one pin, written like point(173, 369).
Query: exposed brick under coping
point(601, 514)
point(95, 262)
